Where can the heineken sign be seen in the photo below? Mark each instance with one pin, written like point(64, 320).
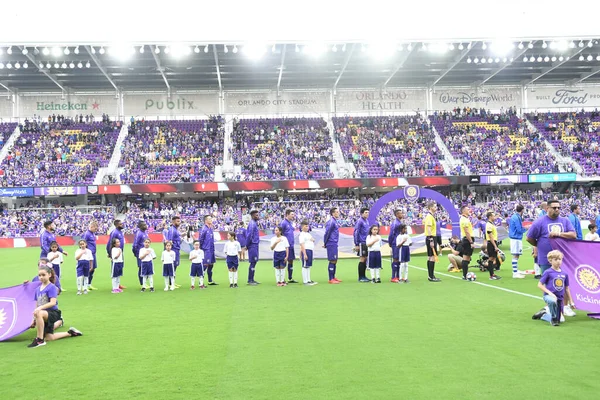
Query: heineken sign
point(70, 106)
point(65, 106)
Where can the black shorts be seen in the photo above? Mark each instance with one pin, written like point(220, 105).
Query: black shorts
point(438, 240)
point(429, 241)
point(467, 249)
point(491, 250)
point(53, 316)
point(363, 250)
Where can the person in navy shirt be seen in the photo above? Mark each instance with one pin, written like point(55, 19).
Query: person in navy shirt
point(287, 230)
point(252, 240)
point(575, 221)
point(394, 232)
point(361, 231)
point(330, 242)
point(90, 240)
point(174, 236)
point(138, 243)
point(207, 244)
point(548, 226)
point(47, 238)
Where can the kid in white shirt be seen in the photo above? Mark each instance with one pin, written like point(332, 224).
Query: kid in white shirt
point(147, 254)
point(197, 270)
point(307, 245)
point(374, 245)
point(168, 260)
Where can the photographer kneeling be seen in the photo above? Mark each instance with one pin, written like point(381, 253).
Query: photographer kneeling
point(455, 256)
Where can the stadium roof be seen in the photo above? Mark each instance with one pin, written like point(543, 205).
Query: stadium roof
point(370, 33)
point(292, 66)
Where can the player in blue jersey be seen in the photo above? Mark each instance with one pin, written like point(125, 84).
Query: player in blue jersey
point(90, 239)
point(361, 231)
point(394, 232)
point(140, 237)
point(252, 240)
point(207, 244)
point(330, 242)
point(116, 233)
point(174, 237)
point(287, 230)
point(47, 238)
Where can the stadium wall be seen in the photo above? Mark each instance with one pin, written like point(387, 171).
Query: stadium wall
point(182, 105)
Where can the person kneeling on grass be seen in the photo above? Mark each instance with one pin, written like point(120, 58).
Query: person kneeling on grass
point(455, 256)
point(555, 285)
point(47, 313)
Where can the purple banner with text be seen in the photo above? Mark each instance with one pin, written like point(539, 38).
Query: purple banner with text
point(16, 309)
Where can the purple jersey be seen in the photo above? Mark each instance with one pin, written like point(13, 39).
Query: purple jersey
point(56, 280)
point(540, 230)
point(287, 230)
point(555, 281)
point(43, 296)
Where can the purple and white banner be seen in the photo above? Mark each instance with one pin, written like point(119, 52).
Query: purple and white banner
point(582, 265)
point(16, 309)
point(60, 190)
point(503, 179)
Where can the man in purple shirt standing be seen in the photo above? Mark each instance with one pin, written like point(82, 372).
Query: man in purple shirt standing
point(116, 233)
point(287, 230)
point(330, 242)
point(252, 241)
point(207, 244)
point(546, 227)
point(90, 239)
point(175, 237)
point(140, 236)
point(48, 237)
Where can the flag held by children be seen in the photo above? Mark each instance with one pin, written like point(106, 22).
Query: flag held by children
point(16, 309)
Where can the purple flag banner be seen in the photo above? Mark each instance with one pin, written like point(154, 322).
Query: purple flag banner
point(16, 309)
point(582, 264)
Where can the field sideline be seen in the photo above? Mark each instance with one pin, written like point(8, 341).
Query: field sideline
point(450, 340)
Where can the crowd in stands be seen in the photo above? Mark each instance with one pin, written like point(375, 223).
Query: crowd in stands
point(172, 151)
point(282, 148)
point(57, 153)
point(391, 146)
point(573, 134)
point(494, 144)
point(6, 129)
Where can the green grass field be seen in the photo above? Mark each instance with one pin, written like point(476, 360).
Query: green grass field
point(451, 340)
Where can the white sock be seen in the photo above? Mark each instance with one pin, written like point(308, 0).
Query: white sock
point(372, 272)
point(173, 280)
point(235, 277)
point(405, 270)
point(151, 280)
point(115, 283)
point(231, 277)
point(282, 275)
point(166, 282)
point(377, 273)
point(537, 269)
point(201, 280)
point(193, 280)
point(277, 275)
point(304, 278)
point(144, 281)
point(86, 282)
point(308, 274)
point(79, 283)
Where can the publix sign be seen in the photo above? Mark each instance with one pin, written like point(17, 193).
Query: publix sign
point(179, 104)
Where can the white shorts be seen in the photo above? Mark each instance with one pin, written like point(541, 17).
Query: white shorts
point(516, 247)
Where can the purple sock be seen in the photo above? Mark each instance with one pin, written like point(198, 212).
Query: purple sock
point(290, 268)
point(331, 269)
point(209, 273)
point(251, 272)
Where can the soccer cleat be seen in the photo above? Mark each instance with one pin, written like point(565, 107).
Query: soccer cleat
point(394, 280)
point(79, 293)
point(292, 281)
point(74, 332)
point(143, 289)
point(338, 280)
point(518, 275)
point(568, 311)
point(85, 291)
point(434, 279)
point(539, 314)
point(406, 281)
point(172, 288)
point(555, 323)
point(152, 289)
point(373, 281)
point(252, 284)
point(177, 286)
point(90, 287)
point(231, 286)
point(37, 342)
point(167, 289)
point(378, 280)
point(364, 279)
point(333, 282)
point(235, 285)
point(212, 284)
point(192, 287)
point(313, 283)
point(115, 291)
point(201, 287)
point(495, 278)
point(279, 284)
point(63, 290)
point(455, 270)
point(284, 283)
point(537, 276)
point(122, 287)
point(464, 278)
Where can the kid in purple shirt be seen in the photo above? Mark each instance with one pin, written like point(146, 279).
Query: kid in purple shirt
point(555, 284)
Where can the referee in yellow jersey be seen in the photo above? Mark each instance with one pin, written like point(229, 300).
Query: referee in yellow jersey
point(430, 242)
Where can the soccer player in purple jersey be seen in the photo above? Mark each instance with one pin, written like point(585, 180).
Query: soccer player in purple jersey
point(252, 240)
point(361, 231)
point(330, 242)
point(287, 230)
point(47, 238)
point(207, 244)
point(90, 240)
point(394, 232)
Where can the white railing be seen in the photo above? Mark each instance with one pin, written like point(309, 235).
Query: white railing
point(9, 143)
point(113, 164)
